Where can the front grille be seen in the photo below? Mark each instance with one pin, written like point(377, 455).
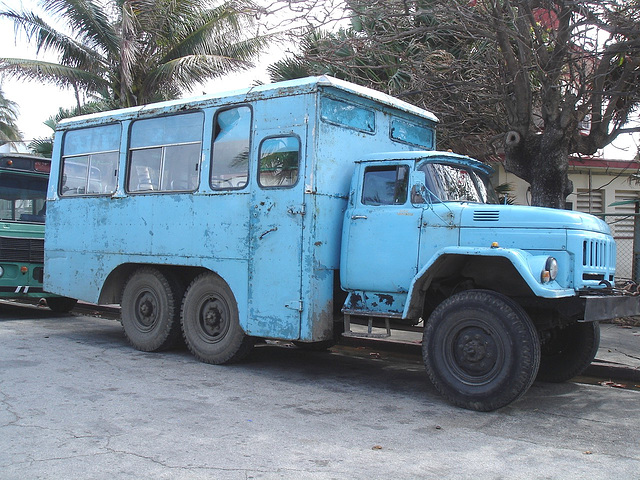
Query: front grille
point(596, 253)
point(593, 276)
point(22, 249)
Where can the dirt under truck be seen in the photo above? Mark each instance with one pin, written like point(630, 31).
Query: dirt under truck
point(293, 210)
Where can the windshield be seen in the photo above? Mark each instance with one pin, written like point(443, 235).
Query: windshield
point(451, 183)
point(22, 197)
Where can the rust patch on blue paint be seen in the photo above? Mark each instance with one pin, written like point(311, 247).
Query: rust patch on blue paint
point(386, 299)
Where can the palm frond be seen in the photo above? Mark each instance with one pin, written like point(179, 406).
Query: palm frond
point(55, 73)
point(89, 21)
point(190, 70)
point(289, 69)
point(220, 31)
point(42, 147)
point(47, 38)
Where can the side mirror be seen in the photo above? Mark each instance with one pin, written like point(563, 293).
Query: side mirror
point(419, 192)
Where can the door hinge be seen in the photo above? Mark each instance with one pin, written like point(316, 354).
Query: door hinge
point(294, 305)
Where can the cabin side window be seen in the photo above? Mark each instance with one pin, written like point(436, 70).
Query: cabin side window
point(346, 114)
point(279, 162)
point(231, 142)
point(164, 153)
point(90, 161)
point(411, 133)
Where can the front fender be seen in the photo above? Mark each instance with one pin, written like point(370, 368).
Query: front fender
point(525, 264)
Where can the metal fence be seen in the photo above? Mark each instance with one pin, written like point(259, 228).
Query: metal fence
point(626, 232)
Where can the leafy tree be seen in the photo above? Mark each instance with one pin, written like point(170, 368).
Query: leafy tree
point(9, 131)
point(538, 80)
point(133, 52)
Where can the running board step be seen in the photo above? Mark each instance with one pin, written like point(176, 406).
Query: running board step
point(369, 333)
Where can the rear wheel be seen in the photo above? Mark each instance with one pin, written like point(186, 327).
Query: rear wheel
point(480, 350)
point(210, 322)
point(151, 310)
point(569, 351)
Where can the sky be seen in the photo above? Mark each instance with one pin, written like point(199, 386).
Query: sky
point(37, 102)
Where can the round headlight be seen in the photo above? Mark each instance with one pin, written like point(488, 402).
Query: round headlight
point(552, 267)
point(1, 271)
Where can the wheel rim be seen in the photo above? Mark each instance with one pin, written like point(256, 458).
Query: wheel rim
point(474, 352)
point(213, 319)
point(146, 309)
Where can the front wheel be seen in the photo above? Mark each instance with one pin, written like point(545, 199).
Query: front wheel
point(210, 322)
point(481, 350)
point(569, 351)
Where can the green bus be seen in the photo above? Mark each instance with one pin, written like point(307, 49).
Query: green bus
point(23, 189)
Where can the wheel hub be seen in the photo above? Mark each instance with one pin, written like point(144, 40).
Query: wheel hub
point(475, 351)
point(213, 319)
point(147, 310)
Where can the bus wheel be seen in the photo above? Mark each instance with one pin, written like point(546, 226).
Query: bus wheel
point(480, 350)
point(150, 310)
point(210, 322)
point(569, 351)
point(61, 304)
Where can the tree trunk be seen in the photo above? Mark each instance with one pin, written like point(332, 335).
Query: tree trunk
point(542, 160)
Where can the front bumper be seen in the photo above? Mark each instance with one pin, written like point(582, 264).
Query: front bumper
point(608, 307)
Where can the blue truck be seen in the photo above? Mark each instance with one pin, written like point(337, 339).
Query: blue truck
point(295, 210)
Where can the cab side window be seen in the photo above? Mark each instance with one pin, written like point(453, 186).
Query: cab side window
point(386, 185)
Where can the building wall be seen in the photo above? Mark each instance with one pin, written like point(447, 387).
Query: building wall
point(595, 189)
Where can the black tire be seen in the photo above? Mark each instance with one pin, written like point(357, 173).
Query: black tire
point(569, 351)
point(151, 310)
point(61, 304)
point(481, 350)
point(210, 322)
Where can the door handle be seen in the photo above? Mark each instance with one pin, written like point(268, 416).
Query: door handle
point(358, 217)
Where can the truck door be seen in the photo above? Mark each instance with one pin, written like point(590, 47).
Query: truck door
point(383, 233)
point(276, 226)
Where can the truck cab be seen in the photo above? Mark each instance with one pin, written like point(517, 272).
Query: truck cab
point(506, 293)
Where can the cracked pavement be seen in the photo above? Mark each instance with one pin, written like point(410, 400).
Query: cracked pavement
point(76, 401)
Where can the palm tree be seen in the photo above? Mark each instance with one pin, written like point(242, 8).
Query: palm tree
point(9, 132)
point(134, 52)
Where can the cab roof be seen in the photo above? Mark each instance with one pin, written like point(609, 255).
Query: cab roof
point(428, 156)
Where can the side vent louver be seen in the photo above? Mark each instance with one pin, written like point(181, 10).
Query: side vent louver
point(486, 216)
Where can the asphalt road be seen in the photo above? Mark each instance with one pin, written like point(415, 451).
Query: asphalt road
point(77, 402)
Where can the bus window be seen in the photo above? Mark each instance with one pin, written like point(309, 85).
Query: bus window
point(90, 161)
point(22, 197)
point(230, 159)
point(279, 162)
point(164, 154)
